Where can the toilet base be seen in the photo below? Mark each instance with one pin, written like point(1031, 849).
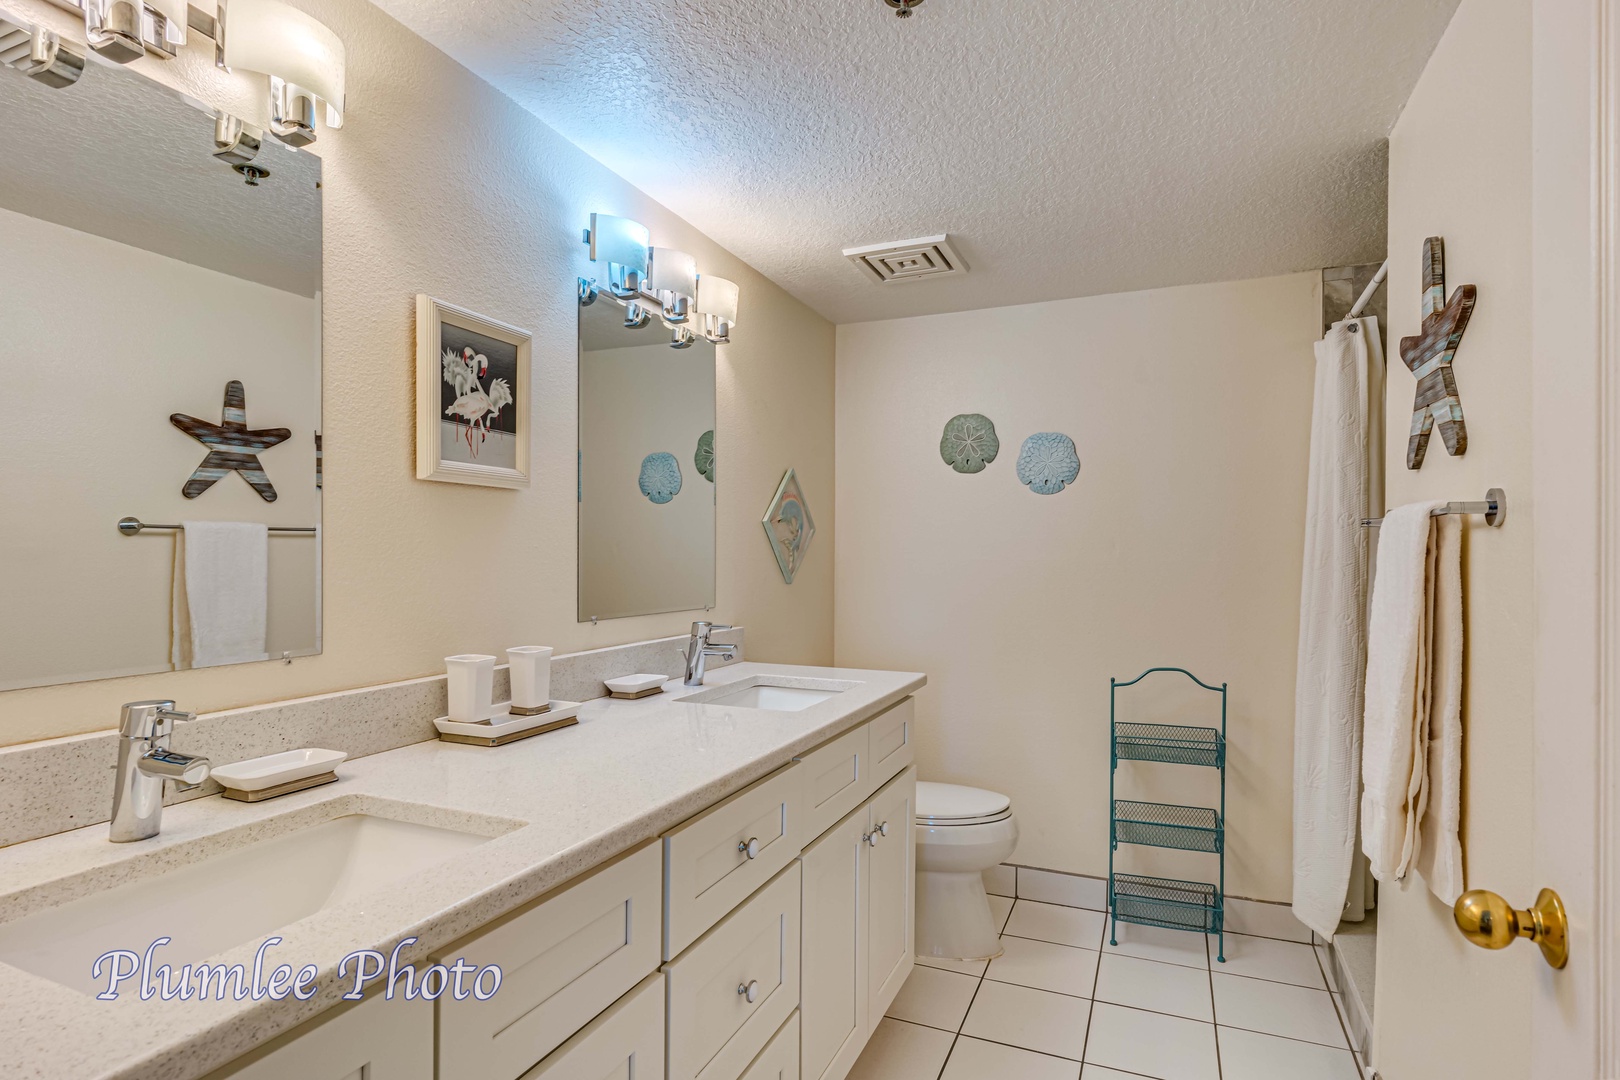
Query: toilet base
point(954, 920)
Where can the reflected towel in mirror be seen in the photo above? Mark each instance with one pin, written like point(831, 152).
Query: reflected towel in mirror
point(221, 587)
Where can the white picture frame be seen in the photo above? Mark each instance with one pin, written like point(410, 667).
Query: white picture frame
point(470, 408)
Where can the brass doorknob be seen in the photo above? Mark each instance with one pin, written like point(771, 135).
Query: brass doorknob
point(1492, 923)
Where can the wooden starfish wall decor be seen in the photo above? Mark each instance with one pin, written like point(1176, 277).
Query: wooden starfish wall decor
point(232, 447)
point(1429, 356)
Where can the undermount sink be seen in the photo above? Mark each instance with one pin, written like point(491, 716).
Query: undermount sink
point(218, 903)
point(772, 693)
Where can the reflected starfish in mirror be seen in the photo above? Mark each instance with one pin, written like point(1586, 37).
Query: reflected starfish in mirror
point(232, 447)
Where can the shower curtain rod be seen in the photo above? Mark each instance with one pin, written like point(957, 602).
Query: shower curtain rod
point(1367, 293)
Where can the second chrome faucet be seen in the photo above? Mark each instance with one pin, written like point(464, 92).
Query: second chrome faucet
point(144, 762)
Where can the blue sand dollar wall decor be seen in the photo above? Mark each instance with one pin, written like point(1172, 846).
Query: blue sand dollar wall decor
point(704, 458)
point(789, 526)
point(1047, 462)
point(969, 442)
point(660, 477)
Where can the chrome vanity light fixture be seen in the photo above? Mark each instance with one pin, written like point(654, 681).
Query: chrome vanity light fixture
point(39, 54)
point(717, 307)
point(123, 30)
point(303, 58)
point(672, 277)
point(643, 277)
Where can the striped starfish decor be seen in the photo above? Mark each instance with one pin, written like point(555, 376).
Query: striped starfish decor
point(232, 447)
point(1429, 355)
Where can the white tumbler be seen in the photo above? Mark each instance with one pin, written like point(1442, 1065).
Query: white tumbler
point(531, 679)
point(472, 687)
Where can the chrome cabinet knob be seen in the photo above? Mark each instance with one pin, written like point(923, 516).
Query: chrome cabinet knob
point(749, 847)
point(883, 828)
point(871, 838)
point(749, 990)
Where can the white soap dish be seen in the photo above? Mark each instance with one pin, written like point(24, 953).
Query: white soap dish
point(504, 727)
point(266, 777)
point(635, 686)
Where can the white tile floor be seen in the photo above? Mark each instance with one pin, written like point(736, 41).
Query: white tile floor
point(1063, 1004)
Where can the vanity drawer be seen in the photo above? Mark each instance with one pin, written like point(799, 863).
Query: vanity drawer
point(836, 779)
point(563, 959)
point(624, 1043)
point(893, 746)
point(707, 869)
point(714, 1030)
point(780, 1058)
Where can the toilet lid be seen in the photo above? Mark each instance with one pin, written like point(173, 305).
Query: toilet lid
point(947, 803)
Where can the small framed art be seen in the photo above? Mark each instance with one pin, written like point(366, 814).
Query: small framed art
point(472, 397)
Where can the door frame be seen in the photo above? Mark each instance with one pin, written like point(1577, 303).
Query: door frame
point(1574, 509)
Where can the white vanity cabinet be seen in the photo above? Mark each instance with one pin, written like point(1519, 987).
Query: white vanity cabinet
point(761, 939)
point(858, 920)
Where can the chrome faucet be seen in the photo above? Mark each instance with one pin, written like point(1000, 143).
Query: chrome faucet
point(144, 762)
point(698, 651)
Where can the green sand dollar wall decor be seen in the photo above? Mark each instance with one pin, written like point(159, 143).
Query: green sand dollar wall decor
point(1048, 463)
point(660, 477)
point(704, 458)
point(969, 442)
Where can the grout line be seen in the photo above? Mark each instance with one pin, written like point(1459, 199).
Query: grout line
point(1214, 1016)
point(1287, 1038)
point(1029, 1050)
point(1091, 1014)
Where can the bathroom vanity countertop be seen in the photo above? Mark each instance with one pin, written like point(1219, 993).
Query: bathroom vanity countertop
point(562, 803)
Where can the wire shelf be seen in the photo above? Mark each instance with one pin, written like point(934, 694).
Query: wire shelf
point(1165, 825)
point(1166, 902)
point(1173, 743)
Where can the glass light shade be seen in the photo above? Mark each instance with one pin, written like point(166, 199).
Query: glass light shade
point(672, 272)
point(279, 40)
point(717, 297)
point(174, 19)
point(620, 241)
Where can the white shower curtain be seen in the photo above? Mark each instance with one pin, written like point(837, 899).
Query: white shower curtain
point(1345, 486)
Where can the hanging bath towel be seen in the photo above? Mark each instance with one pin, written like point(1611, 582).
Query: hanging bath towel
point(220, 593)
point(1419, 585)
point(1332, 623)
point(1439, 857)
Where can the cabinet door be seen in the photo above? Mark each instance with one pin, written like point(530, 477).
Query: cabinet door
point(891, 891)
point(733, 990)
point(780, 1059)
point(377, 1039)
point(832, 960)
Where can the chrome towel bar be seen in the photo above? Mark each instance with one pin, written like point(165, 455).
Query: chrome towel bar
point(130, 526)
point(1494, 508)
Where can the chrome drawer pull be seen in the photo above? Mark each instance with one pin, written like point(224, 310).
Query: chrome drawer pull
point(749, 990)
point(749, 847)
point(871, 838)
point(884, 828)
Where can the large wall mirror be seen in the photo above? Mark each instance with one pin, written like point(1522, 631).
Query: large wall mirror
point(646, 468)
point(160, 328)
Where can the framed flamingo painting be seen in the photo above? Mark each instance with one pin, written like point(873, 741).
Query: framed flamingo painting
point(472, 397)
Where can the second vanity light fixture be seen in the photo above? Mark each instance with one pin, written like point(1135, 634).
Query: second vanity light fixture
point(649, 280)
point(302, 57)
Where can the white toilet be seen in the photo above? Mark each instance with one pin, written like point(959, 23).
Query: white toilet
point(961, 832)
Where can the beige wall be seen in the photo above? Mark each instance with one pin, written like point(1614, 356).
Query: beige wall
point(439, 184)
point(85, 440)
point(1179, 544)
point(1459, 167)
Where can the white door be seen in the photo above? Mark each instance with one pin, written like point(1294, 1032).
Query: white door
point(832, 961)
point(1575, 319)
point(891, 891)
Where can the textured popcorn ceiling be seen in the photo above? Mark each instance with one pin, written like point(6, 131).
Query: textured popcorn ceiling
point(1069, 147)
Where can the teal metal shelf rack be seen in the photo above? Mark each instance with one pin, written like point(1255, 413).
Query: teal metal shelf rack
point(1166, 902)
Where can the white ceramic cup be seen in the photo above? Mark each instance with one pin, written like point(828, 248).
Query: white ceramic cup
point(472, 687)
point(531, 675)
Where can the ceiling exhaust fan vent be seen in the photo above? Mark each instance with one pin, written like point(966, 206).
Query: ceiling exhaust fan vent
point(908, 260)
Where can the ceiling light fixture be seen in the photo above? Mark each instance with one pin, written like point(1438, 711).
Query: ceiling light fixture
point(39, 54)
point(643, 278)
point(904, 8)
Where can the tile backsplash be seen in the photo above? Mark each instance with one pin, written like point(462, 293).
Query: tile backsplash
point(60, 784)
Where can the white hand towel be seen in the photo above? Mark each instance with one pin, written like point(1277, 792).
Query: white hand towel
point(1395, 736)
point(221, 589)
point(1440, 858)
